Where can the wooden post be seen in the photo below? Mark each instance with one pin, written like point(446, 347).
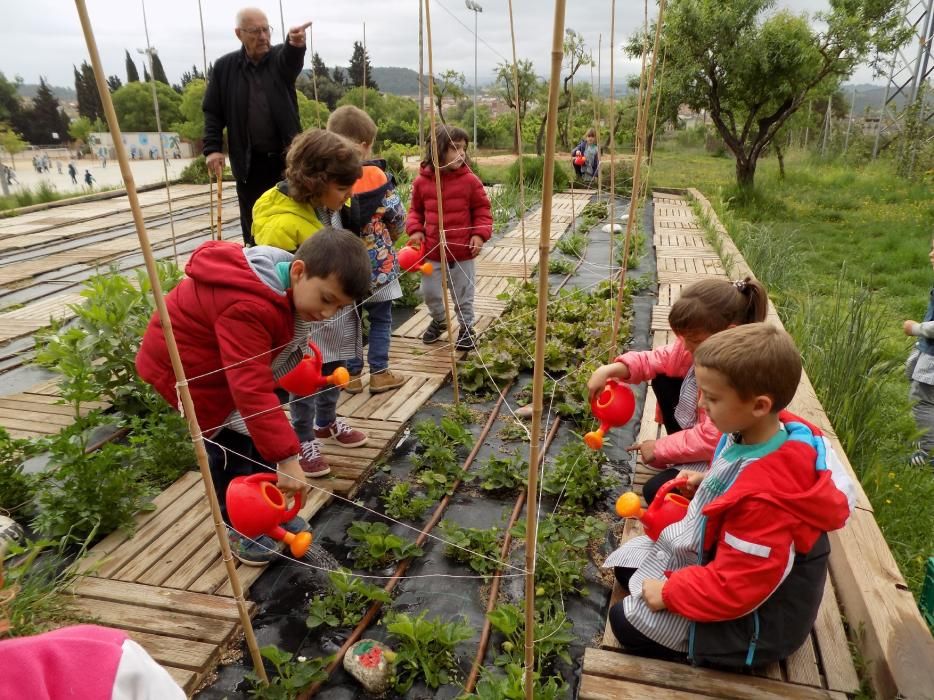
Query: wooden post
point(538, 378)
point(183, 390)
point(364, 66)
point(314, 76)
point(515, 80)
point(612, 191)
point(435, 161)
point(596, 104)
point(220, 202)
point(204, 56)
point(421, 77)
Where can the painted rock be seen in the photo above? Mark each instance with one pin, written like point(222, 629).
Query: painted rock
point(370, 662)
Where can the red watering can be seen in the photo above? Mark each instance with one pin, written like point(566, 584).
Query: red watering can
point(410, 260)
point(579, 159)
point(256, 507)
point(613, 407)
point(305, 378)
point(667, 508)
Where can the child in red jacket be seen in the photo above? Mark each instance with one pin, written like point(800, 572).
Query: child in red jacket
point(468, 224)
point(241, 318)
point(704, 308)
point(738, 581)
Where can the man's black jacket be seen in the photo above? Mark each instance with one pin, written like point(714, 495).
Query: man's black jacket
point(227, 100)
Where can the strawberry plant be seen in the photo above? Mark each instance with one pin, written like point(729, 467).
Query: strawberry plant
point(378, 547)
point(503, 473)
point(425, 649)
point(553, 635)
point(494, 686)
point(447, 432)
point(478, 548)
point(345, 603)
point(576, 476)
point(401, 504)
point(560, 266)
point(292, 675)
point(572, 244)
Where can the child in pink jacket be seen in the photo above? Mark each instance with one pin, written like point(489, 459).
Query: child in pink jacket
point(704, 308)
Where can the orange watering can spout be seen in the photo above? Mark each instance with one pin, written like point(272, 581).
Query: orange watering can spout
point(667, 508)
point(410, 260)
point(305, 378)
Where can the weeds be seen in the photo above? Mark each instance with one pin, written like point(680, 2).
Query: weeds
point(17, 488)
point(39, 574)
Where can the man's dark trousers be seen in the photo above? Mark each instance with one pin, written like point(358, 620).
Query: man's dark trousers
point(265, 171)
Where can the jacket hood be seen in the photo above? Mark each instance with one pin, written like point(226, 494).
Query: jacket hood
point(222, 264)
point(798, 479)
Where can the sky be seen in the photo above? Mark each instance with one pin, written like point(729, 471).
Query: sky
point(43, 37)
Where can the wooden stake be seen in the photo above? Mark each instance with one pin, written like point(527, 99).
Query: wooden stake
point(435, 161)
point(220, 203)
point(204, 56)
point(515, 80)
point(612, 191)
point(314, 76)
point(538, 378)
point(599, 90)
point(364, 66)
point(183, 391)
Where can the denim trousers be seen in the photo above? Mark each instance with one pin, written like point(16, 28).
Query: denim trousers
point(380, 315)
point(320, 407)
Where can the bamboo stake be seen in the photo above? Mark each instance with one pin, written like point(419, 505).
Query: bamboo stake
point(570, 123)
point(435, 156)
point(636, 173)
point(314, 76)
point(364, 66)
point(204, 56)
point(515, 80)
point(183, 391)
point(538, 379)
point(220, 203)
point(599, 90)
point(612, 191)
point(421, 76)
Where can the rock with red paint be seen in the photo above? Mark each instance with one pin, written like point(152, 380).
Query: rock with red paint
point(370, 662)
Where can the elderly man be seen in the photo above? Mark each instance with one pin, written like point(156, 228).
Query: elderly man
point(251, 92)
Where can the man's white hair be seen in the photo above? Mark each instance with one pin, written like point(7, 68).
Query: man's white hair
point(242, 14)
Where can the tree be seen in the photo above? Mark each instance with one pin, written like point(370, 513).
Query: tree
point(575, 49)
point(753, 68)
point(337, 75)
point(312, 114)
point(80, 129)
point(114, 83)
point(146, 76)
point(10, 104)
point(44, 122)
point(360, 69)
point(132, 75)
point(158, 72)
point(449, 84)
point(191, 124)
point(189, 76)
point(529, 86)
point(89, 100)
point(133, 104)
point(318, 68)
point(11, 142)
point(328, 92)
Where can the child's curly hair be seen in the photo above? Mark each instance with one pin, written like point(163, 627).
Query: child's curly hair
point(317, 157)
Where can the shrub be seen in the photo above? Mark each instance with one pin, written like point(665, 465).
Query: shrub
point(17, 489)
point(196, 173)
point(534, 173)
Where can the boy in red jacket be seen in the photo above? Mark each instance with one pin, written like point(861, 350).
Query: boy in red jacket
point(241, 319)
point(738, 581)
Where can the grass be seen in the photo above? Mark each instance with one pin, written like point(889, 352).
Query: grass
point(41, 194)
point(843, 249)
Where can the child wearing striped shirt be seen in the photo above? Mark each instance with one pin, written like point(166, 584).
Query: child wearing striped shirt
point(738, 581)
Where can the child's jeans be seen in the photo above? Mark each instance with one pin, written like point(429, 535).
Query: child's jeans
point(380, 314)
point(233, 455)
point(923, 411)
point(320, 407)
point(461, 284)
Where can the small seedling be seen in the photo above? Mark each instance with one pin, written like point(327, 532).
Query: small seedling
point(292, 675)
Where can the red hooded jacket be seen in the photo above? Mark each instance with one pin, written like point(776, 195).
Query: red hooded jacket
point(227, 320)
point(466, 211)
point(777, 507)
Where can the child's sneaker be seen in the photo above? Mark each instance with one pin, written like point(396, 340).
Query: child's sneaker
point(339, 433)
point(920, 459)
point(433, 332)
point(296, 525)
point(466, 339)
point(355, 385)
point(385, 381)
point(312, 461)
point(259, 552)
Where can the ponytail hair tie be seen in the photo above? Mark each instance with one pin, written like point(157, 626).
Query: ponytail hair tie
point(740, 285)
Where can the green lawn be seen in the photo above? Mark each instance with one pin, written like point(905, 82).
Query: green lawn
point(822, 231)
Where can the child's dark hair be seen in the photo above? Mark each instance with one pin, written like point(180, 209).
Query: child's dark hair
point(341, 253)
point(317, 157)
point(757, 359)
point(446, 136)
point(714, 305)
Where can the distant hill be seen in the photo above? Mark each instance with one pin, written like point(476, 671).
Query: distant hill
point(28, 91)
point(396, 81)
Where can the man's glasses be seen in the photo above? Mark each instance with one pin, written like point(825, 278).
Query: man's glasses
point(256, 31)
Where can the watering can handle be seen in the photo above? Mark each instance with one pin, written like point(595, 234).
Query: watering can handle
point(273, 477)
point(296, 506)
point(316, 353)
point(261, 476)
point(669, 486)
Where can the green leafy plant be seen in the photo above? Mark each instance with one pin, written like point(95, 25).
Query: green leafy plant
point(447, 433)
point(572, 245)
point(512, 430)
point(553, 635)
point(17, 488)
point(560, 266)
point(495, 686)
point(576, 476)
point(502, 473)
point(292, 675)
point(425, 648)
point(402, 504)
point(476, 547)
point(558, 573)
point(377, 546)
point(346, 601)
point(163, 445)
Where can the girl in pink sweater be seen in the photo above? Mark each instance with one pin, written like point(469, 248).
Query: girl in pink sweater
point(704, 308)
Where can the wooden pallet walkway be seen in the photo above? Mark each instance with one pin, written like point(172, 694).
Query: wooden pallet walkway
point(167, 585)
point(823, 667)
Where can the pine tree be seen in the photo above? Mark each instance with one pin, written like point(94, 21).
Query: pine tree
point(132, 75)
point(79, 93)
point(337, 75)
point(193, 74)
point(158, 72)
point(114, 83)
point(360, 67)
point(146, 76)
point(46, 121)
point(318, 67)
point(89, 100)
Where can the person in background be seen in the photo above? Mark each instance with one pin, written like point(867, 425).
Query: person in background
point(920, 370)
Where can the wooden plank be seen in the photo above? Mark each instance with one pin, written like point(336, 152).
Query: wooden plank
point(186, 679)
point(410, 407)
point(598, 688)
point(705, 682)
point(164, 545)
point(179, 653)
point(833, 649)
point(172, 624)
point(159, 598)
point(801, 666)
point(179, 555)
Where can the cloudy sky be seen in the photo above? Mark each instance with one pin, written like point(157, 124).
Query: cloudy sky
point(43, 37)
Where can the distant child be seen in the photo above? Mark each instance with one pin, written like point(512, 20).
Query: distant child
point(468, 224)
point(88, 178)
point(920, 371)
point(73, 173)
point(703, 309)
point(320, 171)
point(587, 150)
point(739, 579)
point(241, 318)
point(381, 219)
